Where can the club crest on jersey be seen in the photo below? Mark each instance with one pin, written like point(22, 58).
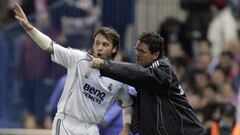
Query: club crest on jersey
point(110, 87)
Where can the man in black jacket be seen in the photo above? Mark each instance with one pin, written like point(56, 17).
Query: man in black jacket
point(163, 106)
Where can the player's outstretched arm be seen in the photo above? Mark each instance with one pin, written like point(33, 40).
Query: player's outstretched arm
point(42, 40)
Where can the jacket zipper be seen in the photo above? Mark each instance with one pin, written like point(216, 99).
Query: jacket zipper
point(159, 115)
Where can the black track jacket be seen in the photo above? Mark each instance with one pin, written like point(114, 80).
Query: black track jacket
point(164, 109)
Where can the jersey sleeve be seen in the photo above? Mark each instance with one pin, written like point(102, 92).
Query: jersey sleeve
point(66, 56)
point(124, 96)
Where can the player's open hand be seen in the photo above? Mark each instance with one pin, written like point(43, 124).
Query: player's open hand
point(97, 63)
point(21, 17)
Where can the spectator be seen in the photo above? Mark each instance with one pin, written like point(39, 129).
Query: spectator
point(220, 35)
point(124, 10)
point(196, 24)
point(30, 121)
point(76, 21)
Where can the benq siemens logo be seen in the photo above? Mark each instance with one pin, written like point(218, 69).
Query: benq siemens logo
point(93, 94)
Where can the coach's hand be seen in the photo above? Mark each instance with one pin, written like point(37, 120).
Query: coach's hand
point(21, 17)
point(97, 63)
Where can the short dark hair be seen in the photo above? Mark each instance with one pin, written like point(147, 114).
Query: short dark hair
point(154, 41)
point(111, 35)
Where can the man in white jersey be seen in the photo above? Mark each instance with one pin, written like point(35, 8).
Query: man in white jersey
point(87, 95)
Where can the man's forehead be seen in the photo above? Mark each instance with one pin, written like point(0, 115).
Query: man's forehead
point(142, 45)
point(100, 37)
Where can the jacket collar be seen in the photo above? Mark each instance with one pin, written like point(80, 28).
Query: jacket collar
point(160, 62)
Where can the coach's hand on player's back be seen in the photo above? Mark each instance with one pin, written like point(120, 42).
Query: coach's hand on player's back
point(21, 17)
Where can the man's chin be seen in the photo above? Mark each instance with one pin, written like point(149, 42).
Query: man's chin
point(103, 57)
point(139, 61)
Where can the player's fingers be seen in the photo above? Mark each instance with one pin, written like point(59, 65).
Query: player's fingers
point(17, 7)
point(17, 17)
point(19, 10)
point(21, 21)
point(16, 13)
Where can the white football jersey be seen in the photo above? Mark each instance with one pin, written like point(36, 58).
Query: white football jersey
point(86, 95)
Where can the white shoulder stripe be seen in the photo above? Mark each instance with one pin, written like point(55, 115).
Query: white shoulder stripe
point(155, 64)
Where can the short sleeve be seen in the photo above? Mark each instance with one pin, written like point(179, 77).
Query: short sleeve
point(124, 96)
point(66, 56)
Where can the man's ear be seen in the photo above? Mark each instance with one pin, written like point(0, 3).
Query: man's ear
point(114, 50)
point(156, 55)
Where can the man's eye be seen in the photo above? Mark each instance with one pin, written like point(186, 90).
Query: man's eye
point(141, 51)
point(105, 44)
point(97, 43)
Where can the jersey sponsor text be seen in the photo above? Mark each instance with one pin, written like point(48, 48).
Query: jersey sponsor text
point(93, 94)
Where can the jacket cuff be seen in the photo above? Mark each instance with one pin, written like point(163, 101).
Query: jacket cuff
point(104, 66)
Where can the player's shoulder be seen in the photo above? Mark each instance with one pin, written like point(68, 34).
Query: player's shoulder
point(79, 54)
point(110, 80)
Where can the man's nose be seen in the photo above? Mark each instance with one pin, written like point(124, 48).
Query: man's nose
point(137, 53)
point(100, 47)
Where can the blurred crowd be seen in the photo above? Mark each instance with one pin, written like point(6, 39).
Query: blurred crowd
point(204, 50)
